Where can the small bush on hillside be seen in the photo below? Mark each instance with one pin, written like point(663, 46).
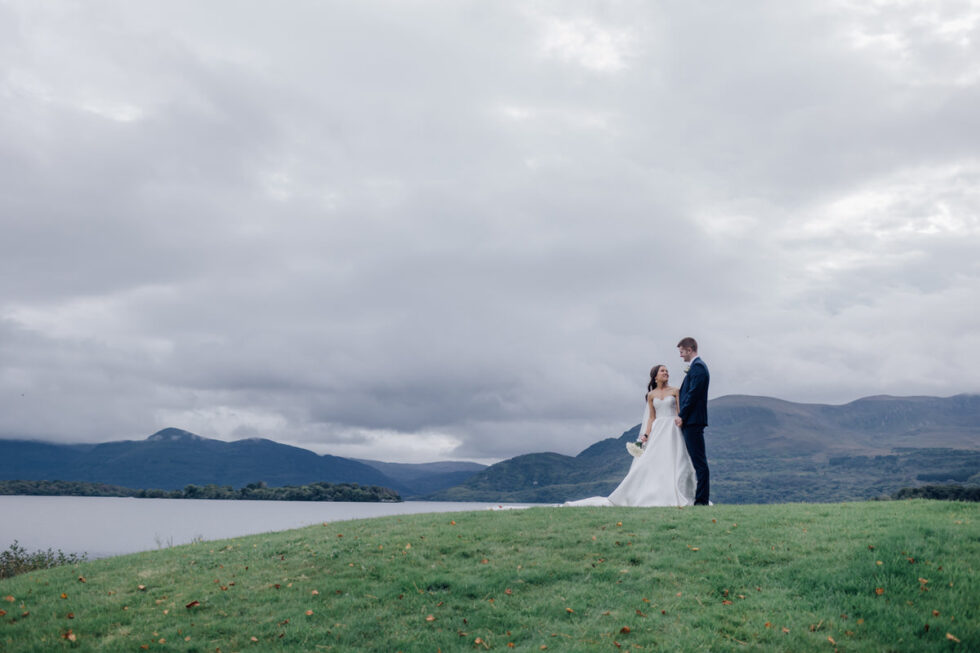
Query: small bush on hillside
point(17, 560)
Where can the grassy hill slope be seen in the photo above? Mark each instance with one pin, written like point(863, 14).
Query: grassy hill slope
point(871, 576)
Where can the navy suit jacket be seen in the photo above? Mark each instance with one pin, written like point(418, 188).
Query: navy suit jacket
point(693, 395)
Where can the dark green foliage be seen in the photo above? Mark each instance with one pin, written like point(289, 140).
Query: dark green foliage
point(942, 492)
point(17, 560)
point(64, 489)
point(253, 491)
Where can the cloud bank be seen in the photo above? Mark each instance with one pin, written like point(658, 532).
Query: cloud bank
point(429, 230)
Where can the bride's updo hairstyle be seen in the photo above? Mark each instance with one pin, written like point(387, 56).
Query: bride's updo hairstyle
point(653, 377)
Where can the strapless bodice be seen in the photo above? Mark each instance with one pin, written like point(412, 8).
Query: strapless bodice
point(664, 407)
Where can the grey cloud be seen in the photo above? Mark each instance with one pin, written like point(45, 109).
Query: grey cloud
point(346, 225)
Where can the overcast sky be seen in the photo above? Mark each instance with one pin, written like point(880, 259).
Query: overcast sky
point(416, 230)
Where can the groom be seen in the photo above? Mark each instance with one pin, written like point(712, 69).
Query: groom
point(692, 414)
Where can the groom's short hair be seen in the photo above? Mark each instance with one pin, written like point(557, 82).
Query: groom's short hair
point(688, 343)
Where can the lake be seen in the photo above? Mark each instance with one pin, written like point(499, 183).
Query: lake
point(107, 526)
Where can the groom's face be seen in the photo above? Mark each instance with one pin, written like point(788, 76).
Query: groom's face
point(686, 353)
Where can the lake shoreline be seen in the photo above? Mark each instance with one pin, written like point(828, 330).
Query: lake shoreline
point(101, 527)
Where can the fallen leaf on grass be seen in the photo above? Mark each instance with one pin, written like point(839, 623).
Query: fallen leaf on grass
point(831, 640)
point(254, 639)
point(569, 610)
point(9, 599)
point(192, 604)
point(315, 593)
point(3, 613)
point(309, 613)
point(768, 624)
point(64, 596)
point(640, 614)
point(950, 636)
point(726, 602)
point(430, 618)
point(81, 579)
point(879, 591)
point(785, 629)
point(141, 588)
point(70, 615)
point(935, 613)
point(625, 630)
point(508, 591)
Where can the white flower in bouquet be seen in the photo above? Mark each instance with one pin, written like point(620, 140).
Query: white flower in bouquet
point(635, 449)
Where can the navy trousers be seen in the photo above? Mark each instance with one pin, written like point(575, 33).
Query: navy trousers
point(694, 439)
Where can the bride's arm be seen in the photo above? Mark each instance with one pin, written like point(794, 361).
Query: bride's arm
point(653, 416)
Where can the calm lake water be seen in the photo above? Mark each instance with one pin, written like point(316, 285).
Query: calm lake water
point(106, 526)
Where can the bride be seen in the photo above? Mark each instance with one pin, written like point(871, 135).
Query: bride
point(662, 475)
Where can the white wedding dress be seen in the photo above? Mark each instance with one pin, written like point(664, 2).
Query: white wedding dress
point(663, 475)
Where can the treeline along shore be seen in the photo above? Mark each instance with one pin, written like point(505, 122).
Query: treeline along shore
point(258, 491)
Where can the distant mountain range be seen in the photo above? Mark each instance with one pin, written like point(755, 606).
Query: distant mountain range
point(172, 459)
point(765, 450)
point(760, 449)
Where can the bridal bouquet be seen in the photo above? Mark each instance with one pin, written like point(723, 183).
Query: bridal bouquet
point(635, 449)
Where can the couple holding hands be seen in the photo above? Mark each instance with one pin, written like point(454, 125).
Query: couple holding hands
point(671, 469)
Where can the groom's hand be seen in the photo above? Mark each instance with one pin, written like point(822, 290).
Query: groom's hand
point(678, 421)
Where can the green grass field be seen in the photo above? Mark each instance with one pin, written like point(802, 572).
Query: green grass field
point(877, 576)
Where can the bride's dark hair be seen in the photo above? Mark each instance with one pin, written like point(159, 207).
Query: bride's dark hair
point(653, 377)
